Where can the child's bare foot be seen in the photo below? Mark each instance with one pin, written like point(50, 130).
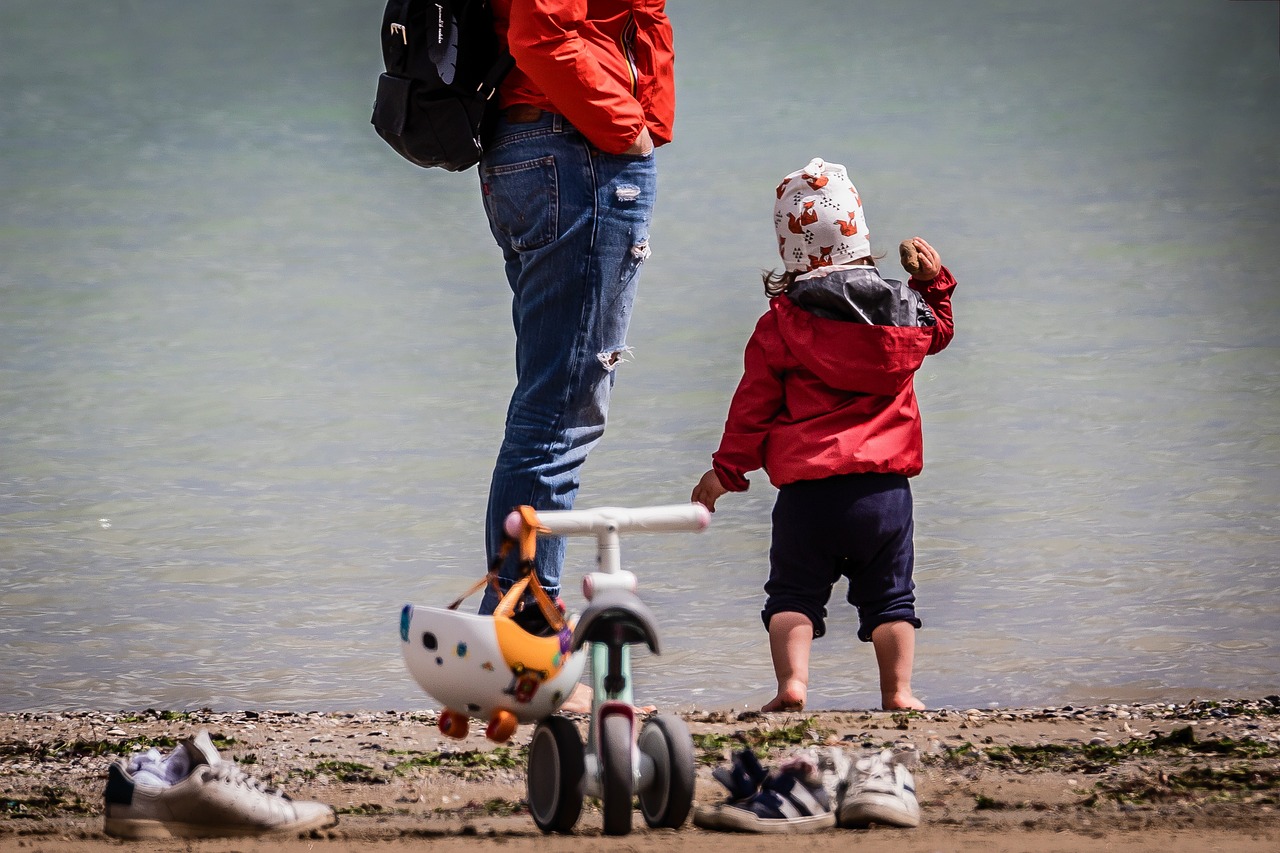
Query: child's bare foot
point(777, 703)
point(790, 698)
point(905, 702)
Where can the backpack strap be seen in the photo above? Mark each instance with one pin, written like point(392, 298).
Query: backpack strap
point(503, 62)
point(501, 67)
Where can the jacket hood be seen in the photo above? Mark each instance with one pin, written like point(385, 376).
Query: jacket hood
point(861, 295)
point(855, 330)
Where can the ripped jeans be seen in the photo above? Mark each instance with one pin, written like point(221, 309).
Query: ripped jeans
point(573, 225)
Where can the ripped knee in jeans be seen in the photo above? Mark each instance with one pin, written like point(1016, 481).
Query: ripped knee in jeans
point(610, 359)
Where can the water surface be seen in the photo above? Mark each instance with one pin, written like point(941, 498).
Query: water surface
point(253, 367)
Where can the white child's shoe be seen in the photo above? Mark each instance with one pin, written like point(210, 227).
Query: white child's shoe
point(194, 793)
point(879, 789)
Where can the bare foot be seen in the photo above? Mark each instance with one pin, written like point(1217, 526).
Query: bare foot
point(784, 702)
point(901, 703)
point(579, 701)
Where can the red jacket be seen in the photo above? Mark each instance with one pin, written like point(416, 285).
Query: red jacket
point(821, 397)
point(605, 65)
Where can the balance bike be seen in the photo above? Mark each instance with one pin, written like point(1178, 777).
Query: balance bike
point(615, 766)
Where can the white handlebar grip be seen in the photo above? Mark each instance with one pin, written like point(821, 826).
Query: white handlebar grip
point(578, 522)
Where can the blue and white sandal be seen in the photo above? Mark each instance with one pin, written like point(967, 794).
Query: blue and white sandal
point(790, 799)
point(743, 777)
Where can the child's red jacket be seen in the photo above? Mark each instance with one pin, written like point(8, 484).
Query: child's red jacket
point(821, 397)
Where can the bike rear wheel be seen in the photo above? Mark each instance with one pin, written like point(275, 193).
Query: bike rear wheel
point(668, 797)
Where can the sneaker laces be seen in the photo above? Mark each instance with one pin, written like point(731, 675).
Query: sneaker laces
point(876, 773)
point(230, 772)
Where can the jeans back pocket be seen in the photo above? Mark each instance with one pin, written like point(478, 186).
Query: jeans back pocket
point(521, 201)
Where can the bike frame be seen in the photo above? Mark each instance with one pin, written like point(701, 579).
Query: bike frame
point(612, 693)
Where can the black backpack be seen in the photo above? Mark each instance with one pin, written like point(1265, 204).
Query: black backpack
point(444, 65)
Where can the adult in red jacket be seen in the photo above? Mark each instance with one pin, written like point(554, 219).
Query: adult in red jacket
point(568, 180)
point(827, 408)
point(605, 65)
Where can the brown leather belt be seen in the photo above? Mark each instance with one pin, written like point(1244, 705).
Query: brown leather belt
point(522, 113)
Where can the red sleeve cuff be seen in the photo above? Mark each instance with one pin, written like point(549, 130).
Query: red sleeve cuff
point(731, 480)
point(942, 282)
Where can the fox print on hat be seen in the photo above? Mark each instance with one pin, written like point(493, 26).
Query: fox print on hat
point(819, 218)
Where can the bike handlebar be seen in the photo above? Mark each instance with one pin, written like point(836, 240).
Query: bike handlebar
point(587, 522)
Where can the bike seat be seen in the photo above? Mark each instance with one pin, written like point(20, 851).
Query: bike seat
point(616, 617)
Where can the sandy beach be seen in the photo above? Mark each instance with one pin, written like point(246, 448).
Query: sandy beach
point(1203, 775)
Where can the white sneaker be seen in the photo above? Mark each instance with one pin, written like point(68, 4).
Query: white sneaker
point(215, 799)
point(880, 790)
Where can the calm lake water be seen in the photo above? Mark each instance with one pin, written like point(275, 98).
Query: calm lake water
point(253, 367)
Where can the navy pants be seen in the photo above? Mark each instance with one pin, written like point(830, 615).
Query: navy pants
point(856, 526)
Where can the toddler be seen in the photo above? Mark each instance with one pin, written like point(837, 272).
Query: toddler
point(827, 408)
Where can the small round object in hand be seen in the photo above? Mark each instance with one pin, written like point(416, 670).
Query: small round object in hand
point(911, 261)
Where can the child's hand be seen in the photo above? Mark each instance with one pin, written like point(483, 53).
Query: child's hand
point(928, 262)
point(708, 490)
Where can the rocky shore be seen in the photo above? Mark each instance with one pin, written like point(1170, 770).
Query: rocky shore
point(1165, 776)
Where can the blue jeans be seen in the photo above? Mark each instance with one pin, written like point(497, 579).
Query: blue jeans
point(573, 225)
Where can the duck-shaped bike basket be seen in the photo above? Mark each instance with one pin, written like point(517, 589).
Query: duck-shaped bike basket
point(509, 669)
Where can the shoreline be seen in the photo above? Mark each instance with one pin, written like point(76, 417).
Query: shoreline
point(1116, 776)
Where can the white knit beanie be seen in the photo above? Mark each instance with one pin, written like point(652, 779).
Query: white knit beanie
point(819, 219)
